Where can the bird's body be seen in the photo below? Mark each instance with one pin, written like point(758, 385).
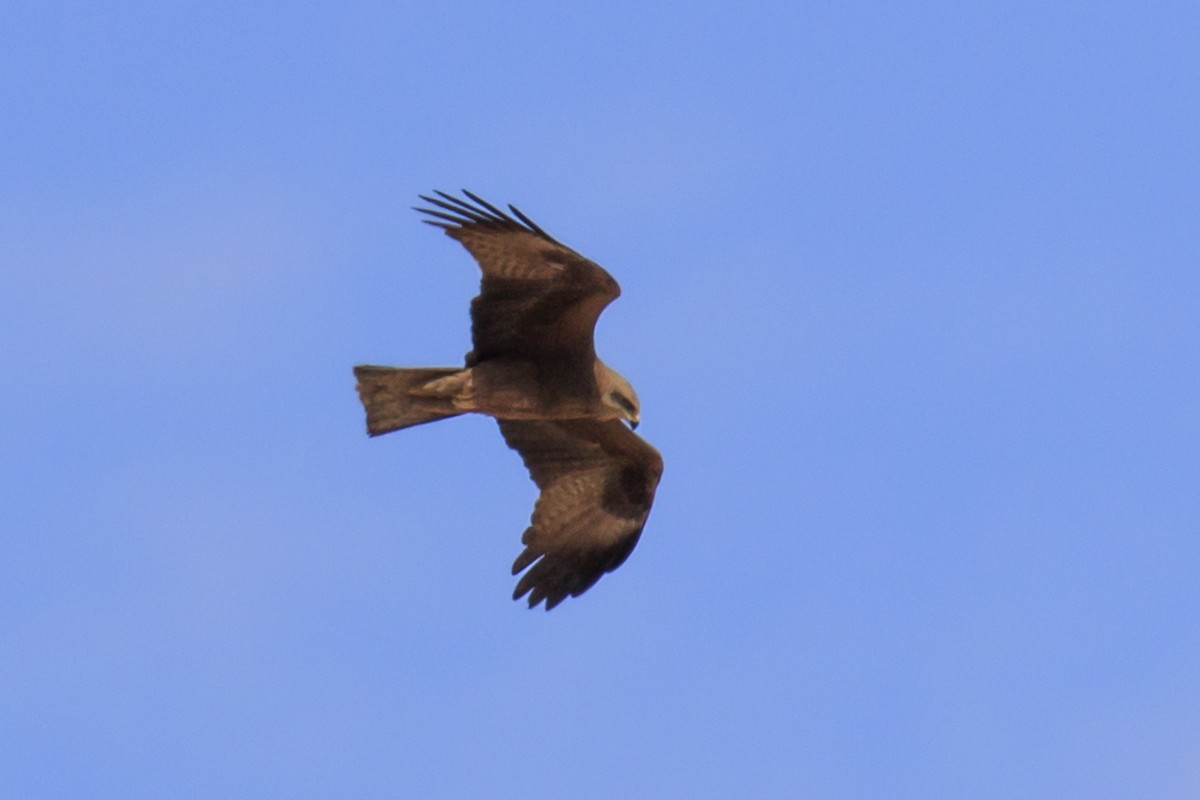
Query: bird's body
point(534, 369)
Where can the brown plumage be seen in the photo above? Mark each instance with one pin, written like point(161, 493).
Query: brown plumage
point(534, 368)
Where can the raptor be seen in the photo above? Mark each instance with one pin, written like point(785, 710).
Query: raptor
point(534, 369)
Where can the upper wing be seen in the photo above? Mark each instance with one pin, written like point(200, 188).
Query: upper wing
point(597, 482)
point(538, 298)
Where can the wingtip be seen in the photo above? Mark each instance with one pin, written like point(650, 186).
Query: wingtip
point(530, 602)
point(537, 594)
point(477, 212)
point(527, 557)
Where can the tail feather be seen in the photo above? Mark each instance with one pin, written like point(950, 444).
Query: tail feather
point(387, 395)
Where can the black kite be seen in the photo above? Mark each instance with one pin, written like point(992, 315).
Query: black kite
point(534, 369)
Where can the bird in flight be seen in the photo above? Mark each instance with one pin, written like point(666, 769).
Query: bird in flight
point(533, 368)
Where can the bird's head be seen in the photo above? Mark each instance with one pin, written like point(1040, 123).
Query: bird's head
point(618, 394)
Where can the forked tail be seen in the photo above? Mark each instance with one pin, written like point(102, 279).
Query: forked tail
point(387, 393)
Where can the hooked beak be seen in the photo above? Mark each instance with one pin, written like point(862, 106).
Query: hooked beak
point(633, 423)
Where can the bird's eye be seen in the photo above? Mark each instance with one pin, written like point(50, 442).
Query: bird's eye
point(622, 401)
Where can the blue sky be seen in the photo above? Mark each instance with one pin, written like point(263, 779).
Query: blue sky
point(911, 299)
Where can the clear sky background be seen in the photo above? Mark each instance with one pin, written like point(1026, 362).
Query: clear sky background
point(911, 298)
